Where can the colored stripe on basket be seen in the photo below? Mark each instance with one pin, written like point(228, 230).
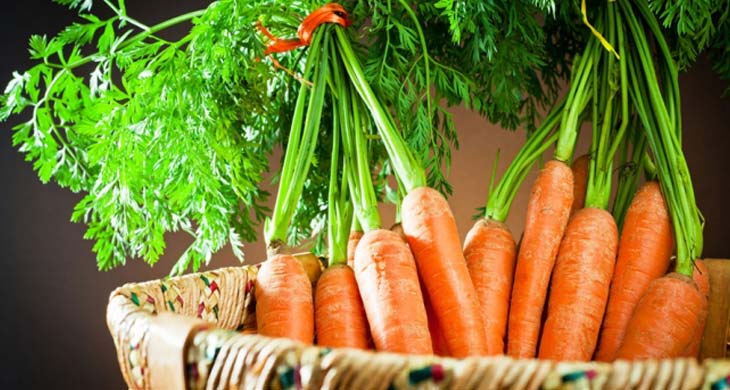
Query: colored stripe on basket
point(135, 298)
point(434, 372)
point(291, 378)
point(721, 384)
point(574, 376)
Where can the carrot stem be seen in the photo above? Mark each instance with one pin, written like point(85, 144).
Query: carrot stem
point(356, 152)
point(302, 142)
point(576, 101)
point(605, 142)
point(339, 211)
point(405, 165)
point(628, 177)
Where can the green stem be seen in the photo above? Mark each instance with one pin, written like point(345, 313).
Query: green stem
point(369, 213)
point(577, 99)
point(145, 34)
point(628, 177)
point(302, 142)
point(123, 16)
point(500, 200)
point(356, 151)
point(598, 189)
point(338, 214)
point(426, 57)
point(405, 165)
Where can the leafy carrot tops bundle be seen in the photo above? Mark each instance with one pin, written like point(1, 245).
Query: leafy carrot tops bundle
point(165, 133)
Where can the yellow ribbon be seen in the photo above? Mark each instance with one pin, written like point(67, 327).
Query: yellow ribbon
point(595, 32)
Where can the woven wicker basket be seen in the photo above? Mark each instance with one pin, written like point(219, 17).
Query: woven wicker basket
point(191, 332)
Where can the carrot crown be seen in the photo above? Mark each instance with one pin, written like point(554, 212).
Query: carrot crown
point(500, 197)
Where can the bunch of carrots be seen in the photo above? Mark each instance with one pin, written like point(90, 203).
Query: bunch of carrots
point(587, 281)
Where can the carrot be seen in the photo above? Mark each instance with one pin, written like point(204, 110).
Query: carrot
point(431, 232)
point(547, 215)
point(643, 255)
point(438, 342)
point(339, 315)
point(284, 305)
point(352, 241)
point(701, 276)
point(388, 282)
point(428, 224)
point(579, 286)
point(580, 181)
point(665, 320)
point(490, 254)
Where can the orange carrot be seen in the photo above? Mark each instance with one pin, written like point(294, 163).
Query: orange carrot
point(339, 315)
point(431, 232)
point(701, 276)
point(643, 255)
point(352, 241)
point(665, 320)
point(438, 342)
point(580, 181)
point(388, 282)
point(548, 211)
point(284, 305)
point(579, 286)
point(490, 254)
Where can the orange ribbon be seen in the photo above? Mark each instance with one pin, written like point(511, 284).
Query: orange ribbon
point(328, 13)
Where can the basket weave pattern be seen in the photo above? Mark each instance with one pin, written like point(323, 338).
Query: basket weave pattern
point(224, 356)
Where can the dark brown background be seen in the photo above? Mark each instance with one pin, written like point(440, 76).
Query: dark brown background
point(53, 299)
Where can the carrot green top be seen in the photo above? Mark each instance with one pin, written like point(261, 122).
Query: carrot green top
point(406, 166)
point(353, 127)
point(609, 77)
point(339, 213)
point(302, 141)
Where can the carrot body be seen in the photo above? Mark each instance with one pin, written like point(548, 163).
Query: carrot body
point(548, 211)
point(701, 276)
point(352, 242)
point(438, 342)
point(388, 282)
point(431, 232)
point(339, 316)
point(579, 286)
point(665, 320)
point(490, 254)
point(643, 255)
point(580, 169)
point(284, 305)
